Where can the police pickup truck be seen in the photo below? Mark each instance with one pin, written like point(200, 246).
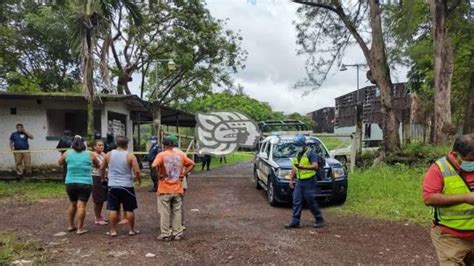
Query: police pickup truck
point(272, 167)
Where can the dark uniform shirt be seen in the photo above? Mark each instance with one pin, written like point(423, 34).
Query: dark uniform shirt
point(154, 150)
point(64, 143)
point(20, 141)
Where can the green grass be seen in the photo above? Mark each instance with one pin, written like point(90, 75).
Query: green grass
point(335, 143)
point(387, 192)
point(234, 158)
point(25, 191)
point(14, 248)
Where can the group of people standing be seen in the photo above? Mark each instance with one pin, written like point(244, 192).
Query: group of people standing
point(110, 178)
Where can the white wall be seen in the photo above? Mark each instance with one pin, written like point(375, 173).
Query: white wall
point(375, 134)
point(119, 107)
point(33, 116)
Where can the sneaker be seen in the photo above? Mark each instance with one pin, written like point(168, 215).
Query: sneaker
point(165, 238)
point(319, 224)
point(292, 226)
point(101, 221)
point(179, 237)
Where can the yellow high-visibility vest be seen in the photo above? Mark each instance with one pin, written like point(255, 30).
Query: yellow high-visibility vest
point(460, 216)
point(300, 173)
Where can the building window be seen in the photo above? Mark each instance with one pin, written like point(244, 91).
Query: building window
point(72, 120)
point(117, 124)
point(13, 111)
point(367, 131)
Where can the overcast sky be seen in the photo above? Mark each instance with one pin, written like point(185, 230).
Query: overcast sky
point(272, 65)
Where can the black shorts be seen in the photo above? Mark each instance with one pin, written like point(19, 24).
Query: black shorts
point(99, 190)
point(77, 192)
point(121, 195)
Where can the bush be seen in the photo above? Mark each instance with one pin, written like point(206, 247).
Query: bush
point(416, 155)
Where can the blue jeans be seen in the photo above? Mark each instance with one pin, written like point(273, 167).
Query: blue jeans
point(305, 190)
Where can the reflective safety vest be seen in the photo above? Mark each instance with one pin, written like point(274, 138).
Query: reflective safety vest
point(460, 216)
point(304, 161)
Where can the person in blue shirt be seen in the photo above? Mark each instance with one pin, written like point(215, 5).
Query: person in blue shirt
point(154, 150)
point(63, 145)
point(305, 169)
point(20, 146)
point(78, 181)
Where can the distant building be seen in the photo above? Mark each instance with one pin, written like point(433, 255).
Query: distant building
point(324, 120)
point(404, 104)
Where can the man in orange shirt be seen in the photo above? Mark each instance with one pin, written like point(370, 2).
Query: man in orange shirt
point(172, 166)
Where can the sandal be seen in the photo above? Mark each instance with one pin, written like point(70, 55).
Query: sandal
point(111, 235)
point(81, 232)
point(101, 222)
point(133, 233)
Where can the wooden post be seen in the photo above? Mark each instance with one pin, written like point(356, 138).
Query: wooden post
point(358, 125)
point(156, 118)
point(139, 141)
point(177, 130)
point(353, 151)
point(406, 127)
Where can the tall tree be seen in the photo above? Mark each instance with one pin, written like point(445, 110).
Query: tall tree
point(90, 15)
point(443, 69)
point(332, 23)
point(239, 101)
point(35, 52)
point(410, 27)
point(205, 54)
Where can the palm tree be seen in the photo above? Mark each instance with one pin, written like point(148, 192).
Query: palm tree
point(92, 20)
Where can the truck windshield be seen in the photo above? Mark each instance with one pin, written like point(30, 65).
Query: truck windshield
point(288, 150)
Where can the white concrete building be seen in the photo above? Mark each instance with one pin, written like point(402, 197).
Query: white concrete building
point(46, 116)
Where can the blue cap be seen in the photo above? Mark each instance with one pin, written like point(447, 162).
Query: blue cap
point(153, 138)
point(300, 140)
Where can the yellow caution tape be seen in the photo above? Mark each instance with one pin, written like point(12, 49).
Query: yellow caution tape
point(136, 152)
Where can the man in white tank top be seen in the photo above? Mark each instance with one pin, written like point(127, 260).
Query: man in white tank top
point(123, 166)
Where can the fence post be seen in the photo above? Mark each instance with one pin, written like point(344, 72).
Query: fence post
point(353, 150)
point(358, 126)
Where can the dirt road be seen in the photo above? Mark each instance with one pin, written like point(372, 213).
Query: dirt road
point(228, 221)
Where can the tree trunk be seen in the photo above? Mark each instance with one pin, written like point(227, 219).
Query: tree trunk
point(122, 83)
point(468, 126)
point(381, 73)
point(443, 72)
point(90, 121)
point(157, 119)
point(89, 89)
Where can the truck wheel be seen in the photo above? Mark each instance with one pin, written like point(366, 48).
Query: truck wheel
point(255, 176)
point(271, 193)
point(341, 159)
point(340, 198)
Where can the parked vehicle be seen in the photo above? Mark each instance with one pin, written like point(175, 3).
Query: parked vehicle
point(343, 155)
point(272, 168)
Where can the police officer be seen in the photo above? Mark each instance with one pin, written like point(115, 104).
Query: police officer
point(305, 166)
point(63, 145)
point(110, 143)
point(154, 150)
